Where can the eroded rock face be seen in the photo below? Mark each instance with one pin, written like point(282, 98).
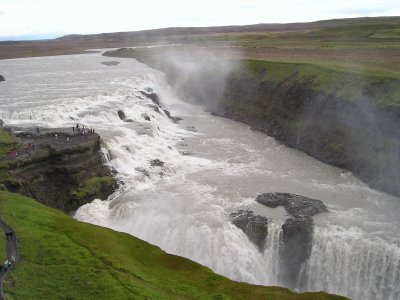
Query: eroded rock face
point(297, 231)
point(59, 163)
point(297, 206)
point(297, 235)
point(255, 227)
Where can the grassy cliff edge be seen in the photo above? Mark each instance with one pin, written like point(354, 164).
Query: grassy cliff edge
point(66, 259)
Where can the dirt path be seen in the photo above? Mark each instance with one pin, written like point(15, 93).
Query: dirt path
point(12, 252)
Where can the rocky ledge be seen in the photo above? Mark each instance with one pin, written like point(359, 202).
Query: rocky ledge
point(297, 231)
point(255, 227)
point(297, 206)
point(61, 168)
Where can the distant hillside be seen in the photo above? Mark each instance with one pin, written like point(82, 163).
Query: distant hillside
point(389, 22)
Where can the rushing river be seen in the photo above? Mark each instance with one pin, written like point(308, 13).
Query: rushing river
point(212, 167)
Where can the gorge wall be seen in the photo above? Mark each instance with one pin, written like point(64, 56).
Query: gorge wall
point(346, 118)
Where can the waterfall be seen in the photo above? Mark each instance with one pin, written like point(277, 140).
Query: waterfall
point(347, 262)
point(184, 206)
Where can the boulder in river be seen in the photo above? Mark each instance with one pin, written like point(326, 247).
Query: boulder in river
point(110, 63)
point(2, 78)
point(175, 119)
point(296, 205)
point(121, 114)
point(156, 163)
point(255, 227)
point(151, 95)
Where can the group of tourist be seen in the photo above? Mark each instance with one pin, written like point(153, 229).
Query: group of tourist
point(83, 130)
point(8, 264)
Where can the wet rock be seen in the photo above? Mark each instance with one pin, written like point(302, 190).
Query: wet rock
point(110, 63)
point(2, 78)
point(151, 95)
point(157, 163)
point(175, 119)
point(129, 121)
point(146, 117)
point(185, 152)
point(121, 114)
point(297, 231)
point(143, 171)
point(255, 227)
point(191, 128)
point(297, 235)
point(1, 122)
point(296, 205)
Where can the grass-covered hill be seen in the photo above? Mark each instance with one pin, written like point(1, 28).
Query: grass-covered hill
point(366, 41)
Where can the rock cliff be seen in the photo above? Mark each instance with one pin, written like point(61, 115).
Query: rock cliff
point(61, 168)
point(346, 122)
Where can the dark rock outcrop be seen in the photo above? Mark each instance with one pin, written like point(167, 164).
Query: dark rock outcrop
point(63, 170)
point(297, 236)
point(110, 63)
point(156, 163)
point(151, 95)
point(297, 206)
point(297, 231)
point(174, 119)
point(121, 114)
point(255, 227)
point(2, 78)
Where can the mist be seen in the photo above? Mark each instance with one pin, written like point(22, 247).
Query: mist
point(198, 74)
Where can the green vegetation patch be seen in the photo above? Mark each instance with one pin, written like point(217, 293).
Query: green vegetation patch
point(93, 186)
point(7, 142)
point(349, 84)
point(62, 258)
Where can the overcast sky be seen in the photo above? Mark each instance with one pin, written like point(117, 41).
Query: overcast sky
point(51, 18)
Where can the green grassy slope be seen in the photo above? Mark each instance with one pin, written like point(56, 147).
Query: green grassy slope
point(380, 87)
point(66, 259)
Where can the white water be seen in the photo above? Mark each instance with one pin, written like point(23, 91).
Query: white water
point(184, 206)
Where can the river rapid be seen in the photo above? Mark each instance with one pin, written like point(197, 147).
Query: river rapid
point(212, 167)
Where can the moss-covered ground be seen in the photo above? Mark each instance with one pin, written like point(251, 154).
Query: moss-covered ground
point(92, 186)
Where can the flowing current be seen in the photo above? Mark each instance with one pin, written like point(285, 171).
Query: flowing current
point(212, 167)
